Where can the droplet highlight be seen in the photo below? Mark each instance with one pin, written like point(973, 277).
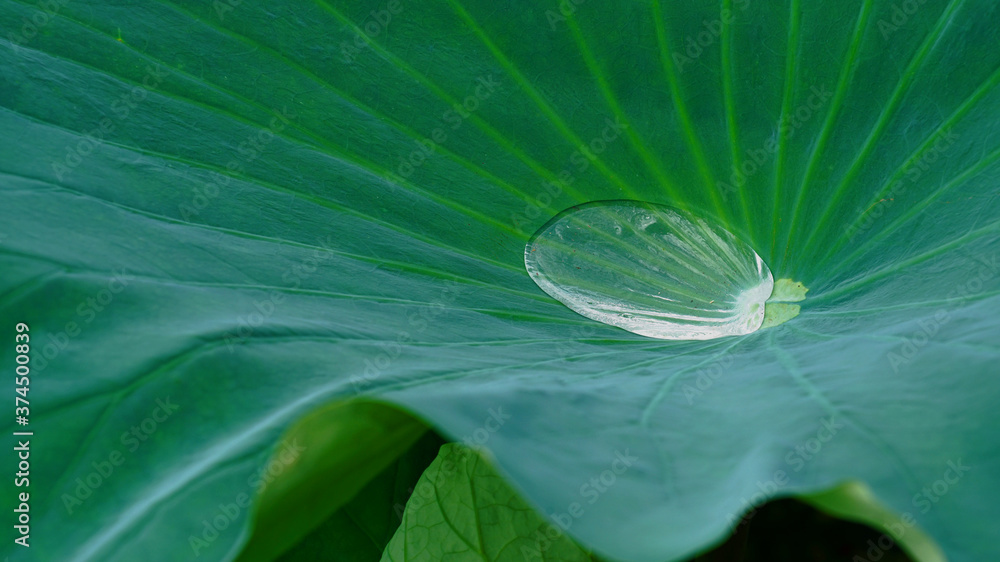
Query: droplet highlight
point(650, 269)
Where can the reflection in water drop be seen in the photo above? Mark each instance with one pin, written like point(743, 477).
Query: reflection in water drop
point(651, 270)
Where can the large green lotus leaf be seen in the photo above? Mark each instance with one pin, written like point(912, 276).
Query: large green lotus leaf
point(217, 218)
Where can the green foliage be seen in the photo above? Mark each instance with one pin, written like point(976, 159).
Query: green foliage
point(463, 510)
point(253, 211)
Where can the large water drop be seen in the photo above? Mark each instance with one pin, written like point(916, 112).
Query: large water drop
point(650, 269)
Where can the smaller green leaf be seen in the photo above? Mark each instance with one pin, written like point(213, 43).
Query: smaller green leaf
point(360, 531)
point(462, 509)
point(328, 469)
point(855, 501)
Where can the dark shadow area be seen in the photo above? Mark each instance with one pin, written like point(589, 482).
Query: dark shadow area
point(791, 531)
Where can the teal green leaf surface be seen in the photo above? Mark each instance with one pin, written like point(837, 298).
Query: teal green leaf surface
point(219, 217)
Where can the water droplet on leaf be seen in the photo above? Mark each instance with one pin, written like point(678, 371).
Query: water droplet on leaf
point(650, 269)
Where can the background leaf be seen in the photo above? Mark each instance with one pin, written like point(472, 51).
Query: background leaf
point(463, 510)
point(361, 529)
point(326, 468)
